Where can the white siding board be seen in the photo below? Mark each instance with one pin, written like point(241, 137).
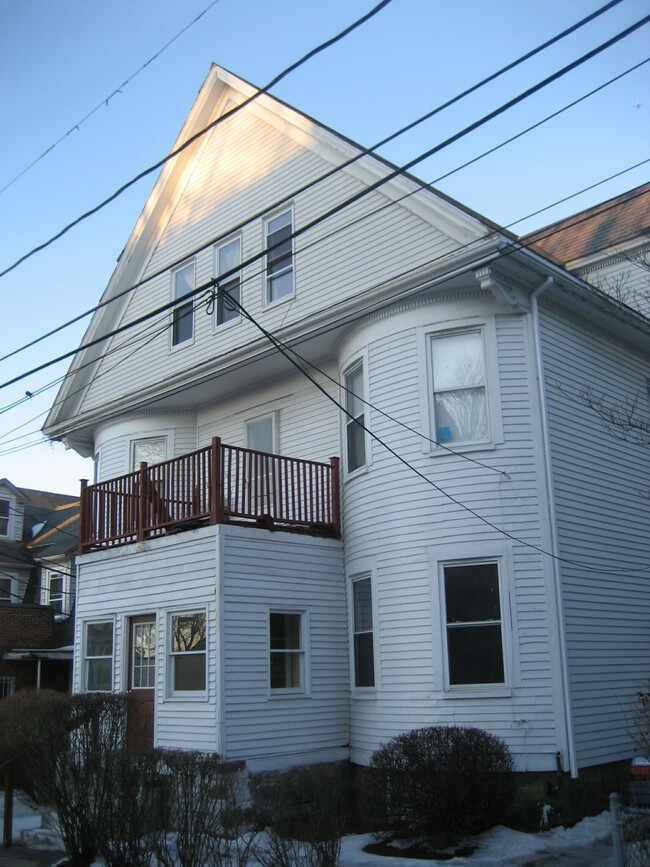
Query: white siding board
point(602, 521)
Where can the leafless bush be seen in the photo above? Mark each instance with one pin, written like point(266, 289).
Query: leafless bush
point(444, 783)
point(304, 813)
point(641, 721)
point(207, 822)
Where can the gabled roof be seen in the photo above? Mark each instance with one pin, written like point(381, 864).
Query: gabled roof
point(616, 222)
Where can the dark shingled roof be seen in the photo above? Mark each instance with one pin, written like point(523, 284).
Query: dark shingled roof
point(616, 221)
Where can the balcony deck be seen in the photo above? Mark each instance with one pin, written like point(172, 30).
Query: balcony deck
point(213, 485)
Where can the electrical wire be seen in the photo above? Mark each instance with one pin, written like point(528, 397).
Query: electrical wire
point(338, 168)
point(350, 200)
point(104, 102)
point(190, 141)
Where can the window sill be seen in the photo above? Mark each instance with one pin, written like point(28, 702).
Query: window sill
point(355, 474)
point(187, 696)
point(287, 693)
point(474, 692)
point(268, 303)
point(364, 693)
point(461, 448)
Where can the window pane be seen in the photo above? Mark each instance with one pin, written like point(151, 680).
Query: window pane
point(153, 451)
point(229, 256)
point(356, 446)
point(99, 639)
point(475, 654)
point(364, 667)
point(259, 434)
point(99, 675)
point(285, 670)
point(5, 589)
point(354, 386)
point(461, 415)
point(458, 361)
point(362, 605)
point(4, 517)
point(189, 672)
point(183, 281)
point(472, 593)
point(188, 632)
point(281, 285)
point(182, 323)
point(285, 631)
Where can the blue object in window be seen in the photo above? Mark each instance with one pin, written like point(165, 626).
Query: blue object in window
point(444, 434)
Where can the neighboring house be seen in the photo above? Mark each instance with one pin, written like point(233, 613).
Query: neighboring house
point(495, 574)
point(39, 538)
point(607, 245)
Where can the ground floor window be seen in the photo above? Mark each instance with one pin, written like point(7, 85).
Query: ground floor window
point(286, 650)
point(98, 656)
point(472, 601)
point(364, 660)
point(187, 652)
point(7, 685)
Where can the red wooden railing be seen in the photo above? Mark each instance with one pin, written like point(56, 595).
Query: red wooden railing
point(216, 484)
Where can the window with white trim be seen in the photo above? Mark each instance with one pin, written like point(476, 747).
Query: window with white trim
point(364, 658)
point(98, 656)
point(459, 404)
point(279, 258)
point(6, 588)
point(355, 434)
point(473, 617)
point(183, 313)
point(55, 588)
point(227, 257)
point(153, 450)
point(286, 647)
point(7, 685)
point(187, 652)
point(4, 516)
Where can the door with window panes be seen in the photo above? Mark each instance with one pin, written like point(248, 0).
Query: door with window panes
point(142, 674)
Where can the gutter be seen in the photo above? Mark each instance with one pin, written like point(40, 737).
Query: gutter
point(559, 607)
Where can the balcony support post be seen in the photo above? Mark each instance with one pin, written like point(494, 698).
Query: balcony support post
point(84, 522)
point(216, 483)
point(142, 502)
point(335, 493)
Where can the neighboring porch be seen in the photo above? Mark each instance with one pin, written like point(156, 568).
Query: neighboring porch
point(214, 485)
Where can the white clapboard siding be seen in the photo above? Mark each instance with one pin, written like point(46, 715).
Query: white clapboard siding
point(281, 572)
point(394, 522)
point(600, 485)
point(246, 166)
point(114, 446)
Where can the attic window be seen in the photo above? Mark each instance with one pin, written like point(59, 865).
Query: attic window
point(182, 314)
point(4, 517)
point(279, 258)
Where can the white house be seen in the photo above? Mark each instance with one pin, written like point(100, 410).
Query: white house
point(480, 555)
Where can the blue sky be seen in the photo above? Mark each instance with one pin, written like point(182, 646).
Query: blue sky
point(60, 60)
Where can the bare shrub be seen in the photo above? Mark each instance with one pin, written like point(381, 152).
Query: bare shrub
point(444, 783)
point(207, 822)
point(641, 721)
point(304, 813)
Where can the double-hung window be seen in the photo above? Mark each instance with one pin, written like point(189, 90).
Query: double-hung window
point(98, 656)
point(187, 652)
point(279, 256)
point(364, 659)
point(473, 623)
point(6, 589)
point(228, 257)
point(287, 655)
point(53, 590)
point(4, 517)
point(459, 406)
point(182, 314)
point(355, 418)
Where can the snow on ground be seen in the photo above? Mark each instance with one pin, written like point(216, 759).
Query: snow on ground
point(584, 844)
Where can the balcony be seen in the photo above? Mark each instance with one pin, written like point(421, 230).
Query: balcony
point(215, 485)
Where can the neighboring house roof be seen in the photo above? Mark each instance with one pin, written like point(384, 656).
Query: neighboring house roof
point(51, 523)
point(613, 223)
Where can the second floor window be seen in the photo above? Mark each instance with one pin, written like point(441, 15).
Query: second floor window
point(355, 419)
point(182, 314)
point(53, 590)
point(6, 593)
point(279, 258)
point(460, 411)
point(228, 256)
point(4, 517)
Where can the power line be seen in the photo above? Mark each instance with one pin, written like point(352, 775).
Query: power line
point(196, 136)
point(104, 102)
point(350, 200)
point(338, 168)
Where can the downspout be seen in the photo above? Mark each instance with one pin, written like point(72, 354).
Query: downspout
point(559, 607)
